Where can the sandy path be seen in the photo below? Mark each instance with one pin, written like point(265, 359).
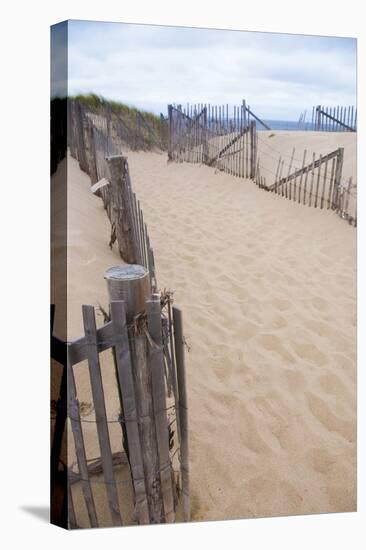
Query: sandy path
point(268, 291)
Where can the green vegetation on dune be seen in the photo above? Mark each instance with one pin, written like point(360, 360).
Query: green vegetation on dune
point(147, 126)
point(95, 102)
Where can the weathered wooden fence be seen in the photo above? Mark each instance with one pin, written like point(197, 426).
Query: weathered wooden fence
point(144, 332)
point(334, 119)
point(99, 155)
point(317, 183)
point(207, 134)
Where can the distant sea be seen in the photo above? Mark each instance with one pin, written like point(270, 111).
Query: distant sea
point(289, 125)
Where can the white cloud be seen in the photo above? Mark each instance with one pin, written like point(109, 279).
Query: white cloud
point(279, 75)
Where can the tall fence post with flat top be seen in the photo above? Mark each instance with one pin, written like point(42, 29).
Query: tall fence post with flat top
point(131, 284)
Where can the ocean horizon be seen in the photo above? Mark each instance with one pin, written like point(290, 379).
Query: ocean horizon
point(289, 125)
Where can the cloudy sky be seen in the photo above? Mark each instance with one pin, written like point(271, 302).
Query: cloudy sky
point(279, 75)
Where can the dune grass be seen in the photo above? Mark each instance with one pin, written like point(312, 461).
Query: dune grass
point(97, 102)
point(128, 114)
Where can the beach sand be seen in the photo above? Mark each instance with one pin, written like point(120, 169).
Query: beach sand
point(268, 292)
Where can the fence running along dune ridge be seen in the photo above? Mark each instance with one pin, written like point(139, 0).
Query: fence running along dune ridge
point(334, 119)
point(206, 134)
point(144, 333)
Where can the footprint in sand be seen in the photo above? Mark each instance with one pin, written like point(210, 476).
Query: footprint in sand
point(318, 327)
point(273, 495)
point(272, 343)
point(333, 385)
point(296, 381)
point(251, 436)
point(246, 331)
point(320, 460)
point(319, 303)
point(278, 322)
point(280, 304)
point(346, 364)
point(310, 352)
point(326, 330)
point(331, 421)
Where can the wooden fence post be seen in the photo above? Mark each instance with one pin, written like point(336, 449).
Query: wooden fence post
point(163, 143)
point(205, 137)
point(129, 410)
point(100, 412)
point(121, 208)
point(253, 149)
point(318, 122)
point(75, 420)
point(170, 130)
point(131, 284)
point(183, 409)
point(156, 364)
point(337, 178)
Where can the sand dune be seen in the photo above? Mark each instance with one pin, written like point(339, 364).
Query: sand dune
point(268, 292)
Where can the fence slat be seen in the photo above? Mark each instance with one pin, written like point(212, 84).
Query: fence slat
point(289, 172)
point(337, 178)
point(127, 389)
point(100, 412)
point(331, 183)
point(174, 366)
point(312, 180)
point(302, 174)
point(152, 273)
point(183, 410)
point(317, 182)
point(156, 361)
point(324, 183)
point(75, 421)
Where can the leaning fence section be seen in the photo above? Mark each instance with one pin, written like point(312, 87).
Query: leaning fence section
point(215, 136)
point(227, 140)
point(334, 119)
point(317, 183)
point(99, 152)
